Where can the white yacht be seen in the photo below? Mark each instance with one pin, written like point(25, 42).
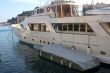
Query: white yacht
point(60, 23)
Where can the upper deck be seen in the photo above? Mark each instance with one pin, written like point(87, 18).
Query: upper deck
point(59, 9)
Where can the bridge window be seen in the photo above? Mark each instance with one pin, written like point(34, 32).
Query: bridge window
point(74, 10)
point(41, 10)
point(66, 11)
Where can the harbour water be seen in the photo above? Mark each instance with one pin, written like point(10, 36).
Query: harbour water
point(17, 57)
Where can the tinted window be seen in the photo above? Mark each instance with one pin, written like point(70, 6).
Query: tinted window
point(76, 27)
point(89, 29)
point(106, 26)
point(70, 27)
point(83, 27)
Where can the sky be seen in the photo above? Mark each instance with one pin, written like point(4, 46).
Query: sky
point(11, 8)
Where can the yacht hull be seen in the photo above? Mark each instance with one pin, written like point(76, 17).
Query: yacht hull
point(95, 51)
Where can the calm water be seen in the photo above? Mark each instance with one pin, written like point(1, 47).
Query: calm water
point(20, 58)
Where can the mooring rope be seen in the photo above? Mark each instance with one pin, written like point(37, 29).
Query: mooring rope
point(12, 36)
point(9, 32)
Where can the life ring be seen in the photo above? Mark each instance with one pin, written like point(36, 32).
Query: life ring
point(48, 9)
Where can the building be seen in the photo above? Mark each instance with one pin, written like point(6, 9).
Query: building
point(20, 17)
point(87, 7)
point(23, 15)
point(13, 20)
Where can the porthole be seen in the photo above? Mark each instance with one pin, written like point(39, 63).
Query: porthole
point(48, 42)
point(103, 52)
point(44, 42)
point(24, 37)
point(52, 43)
point(32, 39)
point(40, 41)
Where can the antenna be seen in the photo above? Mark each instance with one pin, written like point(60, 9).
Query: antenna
point(97, 1)
point(92, 3)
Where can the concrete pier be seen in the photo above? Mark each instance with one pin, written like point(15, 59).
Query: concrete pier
point(66, 57)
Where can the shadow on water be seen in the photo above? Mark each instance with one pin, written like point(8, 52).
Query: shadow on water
point(107, 66)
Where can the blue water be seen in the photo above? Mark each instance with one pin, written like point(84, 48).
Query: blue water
point(20, 58)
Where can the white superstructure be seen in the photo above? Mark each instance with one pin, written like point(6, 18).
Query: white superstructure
point(60, 23)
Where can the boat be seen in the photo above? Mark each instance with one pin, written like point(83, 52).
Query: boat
point(60, 23)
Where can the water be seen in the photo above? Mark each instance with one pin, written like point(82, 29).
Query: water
point(20, 58)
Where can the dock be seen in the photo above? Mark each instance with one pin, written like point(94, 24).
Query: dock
point(67, 57)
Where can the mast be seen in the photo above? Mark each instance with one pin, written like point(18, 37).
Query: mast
point(92, 2)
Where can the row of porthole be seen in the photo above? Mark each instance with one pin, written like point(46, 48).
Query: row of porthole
point(101, 52)
point(42, 41)
point(45, 42)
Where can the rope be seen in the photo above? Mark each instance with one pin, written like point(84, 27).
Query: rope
point(12, 36)
point(9, 33)
point(12, 39)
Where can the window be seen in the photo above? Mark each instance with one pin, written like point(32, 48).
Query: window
point(44, 42)
point(64, 27)
point(53, 9)
point(74, 10)
point(89, 29)
point(22, 25)
point(38, 27)
point(37, 11)
point(40, 11)
point(40, 41)
point(66, 11)
point(31, 26)
point(76, 27)
point(44, 28)
point(72, 27)
point(82, 27)
point(48, 42)
point(106, 26)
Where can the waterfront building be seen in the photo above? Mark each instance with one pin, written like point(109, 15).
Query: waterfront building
point(20, 17)
point(87, 7)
